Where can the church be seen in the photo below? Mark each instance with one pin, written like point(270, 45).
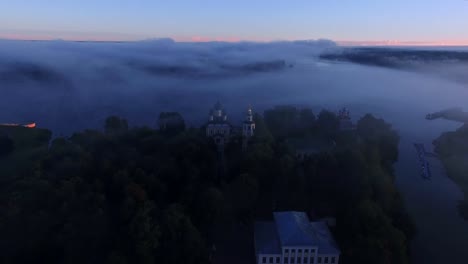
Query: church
point(219, 128)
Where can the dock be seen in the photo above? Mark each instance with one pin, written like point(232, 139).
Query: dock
point(425, 169)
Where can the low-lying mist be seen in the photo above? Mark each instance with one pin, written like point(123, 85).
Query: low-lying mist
point(66, 86)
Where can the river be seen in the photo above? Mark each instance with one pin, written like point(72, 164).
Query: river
point(442, 234)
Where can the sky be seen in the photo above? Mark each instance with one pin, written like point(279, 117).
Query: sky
point(443, 22)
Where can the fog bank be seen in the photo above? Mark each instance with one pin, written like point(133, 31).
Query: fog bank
point(68, 86)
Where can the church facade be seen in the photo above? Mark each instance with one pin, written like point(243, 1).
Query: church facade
point(220, 129)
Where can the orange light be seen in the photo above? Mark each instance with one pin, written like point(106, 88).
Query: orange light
point(31, 125)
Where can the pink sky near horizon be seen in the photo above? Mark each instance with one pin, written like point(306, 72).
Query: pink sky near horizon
point(103, 37)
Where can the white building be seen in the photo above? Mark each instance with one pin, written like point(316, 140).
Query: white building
point(221, 130)
point(248, 127)
point(218, 127)
point(292, 239)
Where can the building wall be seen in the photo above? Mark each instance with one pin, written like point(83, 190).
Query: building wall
point(218, 129)
point(299, 255)
point(327, 259)
point(248, 130)
point(269, 259)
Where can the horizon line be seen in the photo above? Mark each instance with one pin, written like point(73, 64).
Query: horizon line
point(345, 43)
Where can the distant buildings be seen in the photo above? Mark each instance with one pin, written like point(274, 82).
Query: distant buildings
point(292, 239)
point(219, 128)
point(171, 122)
point(248, 128)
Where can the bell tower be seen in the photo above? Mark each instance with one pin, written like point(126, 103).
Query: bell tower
point(248, 127)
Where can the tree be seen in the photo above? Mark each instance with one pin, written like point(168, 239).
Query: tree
point(207, 207)
point(282, 121)
point(139, 195)
point(378, 133)
point(328, 122)
point(6, 145)
point(262, 132)
point(115, 125)
point(145, 233)
point(243, 206)
point(182, 241)
point(171, 123)
point(307, 119)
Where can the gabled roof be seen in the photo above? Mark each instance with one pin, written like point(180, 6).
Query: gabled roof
point(294, 229)
point(326, 243)
point(218, 106)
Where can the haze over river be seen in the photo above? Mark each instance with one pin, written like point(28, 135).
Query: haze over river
point(71, 86)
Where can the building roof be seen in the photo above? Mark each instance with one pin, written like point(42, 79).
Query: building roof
point(326, 242)
point(266, 238)
point(292, 229)
point(218, 106)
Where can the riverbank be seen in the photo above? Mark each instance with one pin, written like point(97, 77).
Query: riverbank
point(454, 114)
point(452, 148)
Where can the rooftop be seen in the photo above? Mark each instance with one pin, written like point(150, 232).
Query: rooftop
point(291, 229)
point(294, 229)
point(218, 106)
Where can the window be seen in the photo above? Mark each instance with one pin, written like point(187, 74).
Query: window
point(292, 260)
point(332, 260)
point(285, 260)
point(319, 260)
point(264, 260)
point(312, 259)
point(271, 259)
point(299, 251)
point(293, 251)
point(304, 260)
point(278, 259)
point(306, 251)
point(286, 250)
point(298, 259)
point(326, 259)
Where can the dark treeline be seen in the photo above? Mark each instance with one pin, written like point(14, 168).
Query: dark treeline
point(395, 57)
point(452, 148)
point(140, 195)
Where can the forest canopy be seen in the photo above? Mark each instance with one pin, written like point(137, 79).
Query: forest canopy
point(143, 195)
